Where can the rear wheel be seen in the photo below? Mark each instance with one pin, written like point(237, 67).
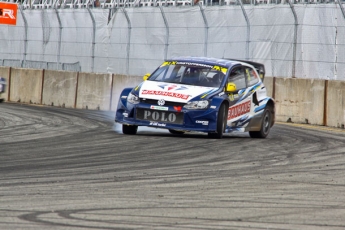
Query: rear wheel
point(265, 124)
point(176, 132)
point(221, 123)
point(129, 129)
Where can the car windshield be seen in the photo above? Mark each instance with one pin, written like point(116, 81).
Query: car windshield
point(190, 74)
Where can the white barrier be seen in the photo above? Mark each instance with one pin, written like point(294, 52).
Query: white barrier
point(318, 102)
point(25, 85)
point(59, 88)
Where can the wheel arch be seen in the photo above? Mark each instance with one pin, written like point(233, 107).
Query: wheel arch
point(123, 97)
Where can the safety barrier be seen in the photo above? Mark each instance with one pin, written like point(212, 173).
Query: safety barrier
point(312, 101)
point(65, 88)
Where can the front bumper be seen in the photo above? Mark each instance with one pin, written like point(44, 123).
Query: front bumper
point(187, 120)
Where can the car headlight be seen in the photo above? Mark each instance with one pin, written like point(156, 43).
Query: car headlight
point(196, 105)
point(133, 99)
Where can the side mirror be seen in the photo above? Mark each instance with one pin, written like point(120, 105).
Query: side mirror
point(230, 87)
point(146, 76)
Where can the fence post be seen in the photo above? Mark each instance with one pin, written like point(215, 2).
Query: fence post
point(167, 33)
point(25, 35)
point(336, 43)
point(248, 28)
point(59, 41)
point(341, 8)
point(129, 39)
point(206, 29)
point(294, 39)
point(93, 40)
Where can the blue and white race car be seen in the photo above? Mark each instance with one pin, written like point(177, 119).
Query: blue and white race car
point(200, 94)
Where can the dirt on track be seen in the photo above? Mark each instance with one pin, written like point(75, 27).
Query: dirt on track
point(74, 169)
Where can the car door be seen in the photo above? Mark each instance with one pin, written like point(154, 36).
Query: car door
point(241, 98)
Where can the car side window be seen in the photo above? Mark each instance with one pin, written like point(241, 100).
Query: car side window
point(251, 75)
point(238, 78)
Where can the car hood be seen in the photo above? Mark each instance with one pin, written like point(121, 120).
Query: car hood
point(173, 92)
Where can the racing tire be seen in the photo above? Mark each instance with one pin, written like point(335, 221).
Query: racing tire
point(129, 129)
point(176, 132)
point(221, 123)
point(265, 124)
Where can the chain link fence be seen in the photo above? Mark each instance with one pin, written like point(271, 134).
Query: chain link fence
point(292, 40)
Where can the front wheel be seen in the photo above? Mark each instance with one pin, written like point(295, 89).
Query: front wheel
point(129, 129)
point(221, 123)
point(265, 125)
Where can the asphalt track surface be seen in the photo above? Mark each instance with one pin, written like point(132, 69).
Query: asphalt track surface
point(74, 169)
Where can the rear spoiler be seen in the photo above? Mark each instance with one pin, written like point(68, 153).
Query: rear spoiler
point(258, 66)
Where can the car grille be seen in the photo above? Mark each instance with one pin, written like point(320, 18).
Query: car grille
point(159, 116)
point(155, 102)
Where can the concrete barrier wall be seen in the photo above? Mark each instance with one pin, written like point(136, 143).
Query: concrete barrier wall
point(313, 101)
point(26, 85)
point(59, 88)
point(121, 82)
point(5, 73)
point(94, 91)
point(335, 109)
point(300, 100)
point(269, 81)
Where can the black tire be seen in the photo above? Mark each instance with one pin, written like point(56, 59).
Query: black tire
point(176, 132)
point(221, 123)
point(129, 129)
point(265, 125)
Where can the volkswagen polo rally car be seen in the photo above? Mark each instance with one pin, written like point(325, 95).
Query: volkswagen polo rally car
point(200, 94)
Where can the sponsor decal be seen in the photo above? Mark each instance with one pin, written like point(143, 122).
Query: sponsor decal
point(221, 94)
point(159, 116)
point(233, 97)
point(172, 87)
point(216, 67)
point(123, 96)
point(125, 114)
point(157, 124)
point(169, 63)
point(156, 116)
point(159, 107)
point(239, 110)
point(193, 64)
point(201, 122)
point(207, 93)
point(8, 13)
point(164, 93)
point(213, 107)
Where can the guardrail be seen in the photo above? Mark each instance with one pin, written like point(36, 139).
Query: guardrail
point(312, 101)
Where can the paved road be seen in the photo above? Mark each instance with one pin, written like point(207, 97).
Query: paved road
point(73, 169)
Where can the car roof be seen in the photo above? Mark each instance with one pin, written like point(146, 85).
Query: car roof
point(209, 60)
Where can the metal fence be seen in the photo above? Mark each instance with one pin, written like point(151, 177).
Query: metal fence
point(292, 40)
point(75, 67)
point(110, 4)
